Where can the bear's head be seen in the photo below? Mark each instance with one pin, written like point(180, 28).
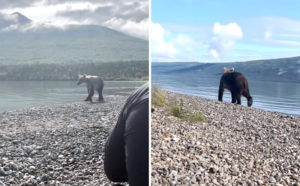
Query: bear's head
point(81, 79)
point(227, 70)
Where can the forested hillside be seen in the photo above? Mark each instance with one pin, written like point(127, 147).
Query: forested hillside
point(277, 70)
point(131, 70)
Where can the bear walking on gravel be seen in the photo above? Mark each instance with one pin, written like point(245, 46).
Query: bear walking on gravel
point(237, 84)
point(93, 83)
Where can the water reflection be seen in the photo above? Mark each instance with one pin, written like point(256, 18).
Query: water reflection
point(272, 96)
point(24, 94)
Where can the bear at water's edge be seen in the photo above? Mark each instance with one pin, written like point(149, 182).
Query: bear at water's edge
point(237, 84)
point(93, 83)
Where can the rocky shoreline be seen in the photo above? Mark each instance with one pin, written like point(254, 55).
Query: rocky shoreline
point(237, 145)
point(57, 145)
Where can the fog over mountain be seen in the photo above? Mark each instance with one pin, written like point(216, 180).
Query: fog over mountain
point(24, 41)
point(16, 18)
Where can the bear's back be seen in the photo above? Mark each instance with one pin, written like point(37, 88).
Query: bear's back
point(96, 81)
point(233, 80)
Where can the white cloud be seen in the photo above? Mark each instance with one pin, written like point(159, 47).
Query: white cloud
point(161, 49)
point(167, 46)
point(214, 53)
point(224, 38)
point(139, 29)
point(282, 25)
point(282, 31)
point(126, 16)
point(231, 31)
point(47, 13)
point(268, 35)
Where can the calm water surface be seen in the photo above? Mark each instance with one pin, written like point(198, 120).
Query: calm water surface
point(24, 94)
point(272, 96)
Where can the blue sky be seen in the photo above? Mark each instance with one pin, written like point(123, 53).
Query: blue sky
point(220, 31)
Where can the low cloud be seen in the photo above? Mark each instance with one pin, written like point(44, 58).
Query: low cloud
point(282, 31)
point(13, 21)
point(224, 38)
point(6, 20)
point(130, 17)
point(17, 3)
point(166, 46)
point(138, 29)
point(127, 16)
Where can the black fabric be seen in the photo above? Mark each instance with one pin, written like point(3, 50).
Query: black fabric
point(127, 148)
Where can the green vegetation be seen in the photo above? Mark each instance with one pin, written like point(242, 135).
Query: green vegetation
point(177, 111)
point(131, 70)
point(75, 44)
point(195, 117)
point(157, 97)
point(175, 108)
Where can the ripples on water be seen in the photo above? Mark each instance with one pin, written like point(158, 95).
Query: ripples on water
point(272, 96)
point(23, 94)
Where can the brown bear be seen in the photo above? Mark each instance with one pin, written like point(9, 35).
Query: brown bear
point(93, 83)
point(237, 84)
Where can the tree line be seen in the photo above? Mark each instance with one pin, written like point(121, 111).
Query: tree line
point(131, 70)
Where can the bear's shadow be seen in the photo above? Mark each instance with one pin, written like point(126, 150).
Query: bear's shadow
point(96, 102)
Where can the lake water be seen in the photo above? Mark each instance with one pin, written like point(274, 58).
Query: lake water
point(271, 96)
point(24, 94)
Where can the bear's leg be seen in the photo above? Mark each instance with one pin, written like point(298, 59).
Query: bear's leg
point(91, 93)
point(238, 98)
point(88, 90)
point(221, 91)
point(249, 101)
point(100, 94)
point(249, 98)
point(233, 97)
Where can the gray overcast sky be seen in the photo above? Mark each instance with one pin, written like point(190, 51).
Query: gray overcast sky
point(130, 16)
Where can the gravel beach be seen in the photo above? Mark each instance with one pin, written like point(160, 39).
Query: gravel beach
point(57, 145)
point(237, 145)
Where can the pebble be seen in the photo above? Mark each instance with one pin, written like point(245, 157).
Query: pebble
point(2, 172)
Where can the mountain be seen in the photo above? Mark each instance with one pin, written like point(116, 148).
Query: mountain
point(24, 43)
point(14, 19)
point(20, 18)
point(277, 70)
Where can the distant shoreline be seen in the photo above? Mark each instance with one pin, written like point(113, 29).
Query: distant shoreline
point(215, 99)
point(275, 70)
point(227, 102)
point(131, 70)
point(73, 80)
point(143, 79)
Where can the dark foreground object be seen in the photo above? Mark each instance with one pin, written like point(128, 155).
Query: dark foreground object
point(126, 152)
point(237, 84)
